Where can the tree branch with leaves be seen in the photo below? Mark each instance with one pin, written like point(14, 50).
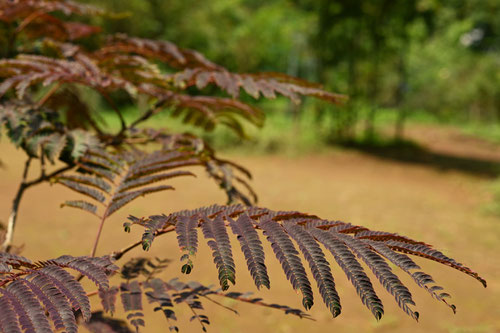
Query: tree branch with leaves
point(112, 169)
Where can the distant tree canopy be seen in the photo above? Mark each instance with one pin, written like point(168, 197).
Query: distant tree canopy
point(432, 55)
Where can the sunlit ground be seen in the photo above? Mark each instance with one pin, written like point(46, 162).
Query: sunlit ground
point(444, 208)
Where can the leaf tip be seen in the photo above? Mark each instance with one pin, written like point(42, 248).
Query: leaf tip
point(187, 268)
point(307, 303)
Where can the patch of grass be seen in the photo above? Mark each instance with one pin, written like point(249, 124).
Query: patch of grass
point(281, 133)
point(486, 131)
point(492, 207)
point(304, 132)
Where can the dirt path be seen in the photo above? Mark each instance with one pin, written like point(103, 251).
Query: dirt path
point(443, 208)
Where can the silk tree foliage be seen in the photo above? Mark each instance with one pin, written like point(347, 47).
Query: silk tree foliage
point(43, 114)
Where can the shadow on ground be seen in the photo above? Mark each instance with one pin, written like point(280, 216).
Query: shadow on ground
point(411, 152)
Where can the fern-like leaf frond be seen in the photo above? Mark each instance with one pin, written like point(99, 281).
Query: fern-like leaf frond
point(8, 317)
point(318, 264)
point(29, 290)
point(353, 270)
point(56, 304)
point(383, 272)
point(251, 247)
point(81, 204)
point(187, 236)
point(76, 185)
point(115, 184)
point(268, 85)
point(161, 50)
point(114, 180)
point(348, 243)
point(408, 265)
point(215, 232)
point(288, 257)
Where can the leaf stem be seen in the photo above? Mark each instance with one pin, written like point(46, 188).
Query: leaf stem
point(28, 20)
point(11, 224)
point(98, 236)
point(221, 305)
point(195, 315)
point(118, 254)
point(117, 111)
point(154, 110)
point(51, 92)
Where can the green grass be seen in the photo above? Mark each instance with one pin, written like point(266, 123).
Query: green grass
point(487, 131)
point(280, 133)
point(287, 134)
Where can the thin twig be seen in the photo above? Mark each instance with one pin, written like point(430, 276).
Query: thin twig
point(117, 111)
point(261, 303)
point(221, 305)
point(42, 164)
point(6, 246)
point(48, 176)
point(28, 20)
point(151, 112)
point(51, 92)
point(26, 169)
point(93, 293)
point(197, 317)
point(118, 254)
point(15, 208)
point(98, 236)
point(101, 226)
point(119, 138)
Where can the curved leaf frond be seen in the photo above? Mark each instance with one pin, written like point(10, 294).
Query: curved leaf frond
point(318, 264)
point(29, 290)
point(407, 264)
point(162, 50)
point(353, 270)
point(187, 236)
point(383, 272)
point(215, 232)
point(251, 247)
point(114, 180)
point(348, 243)
point(288, 256)
point(266, 84)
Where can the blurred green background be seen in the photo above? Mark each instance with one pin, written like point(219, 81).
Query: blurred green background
point(400, 61)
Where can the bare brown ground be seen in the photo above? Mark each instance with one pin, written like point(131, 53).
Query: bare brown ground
point(441, 208)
